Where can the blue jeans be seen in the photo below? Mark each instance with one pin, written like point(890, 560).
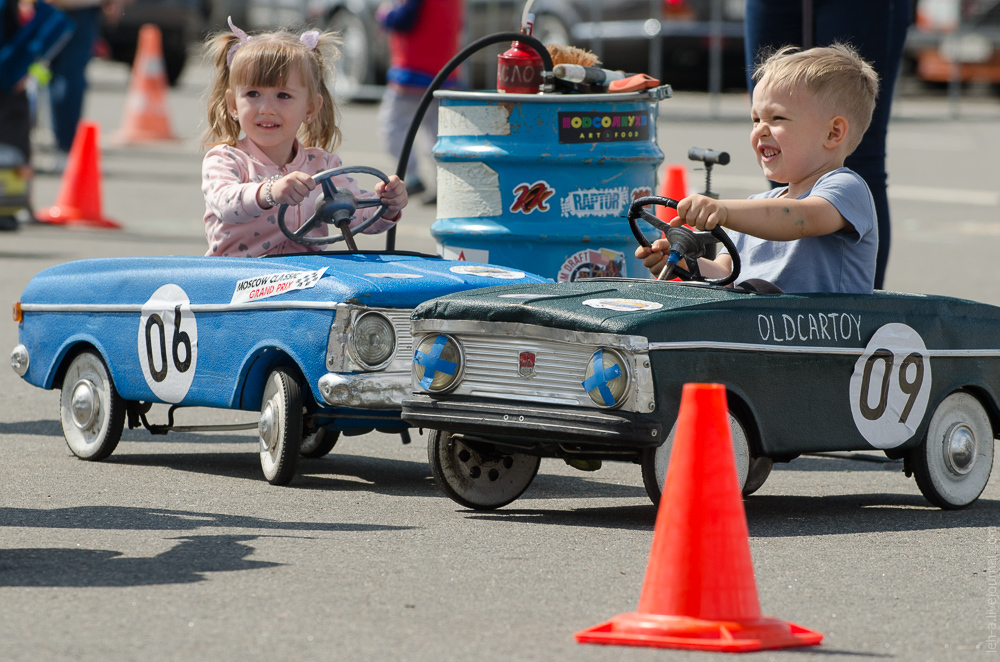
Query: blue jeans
point(69, 80)
point(877, 29)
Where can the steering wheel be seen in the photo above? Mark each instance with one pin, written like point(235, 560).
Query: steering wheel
point(684, 243)
point(335, 207)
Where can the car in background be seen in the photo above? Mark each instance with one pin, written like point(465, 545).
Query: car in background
point(958, 41)
point(180, 21)
point(621, 32)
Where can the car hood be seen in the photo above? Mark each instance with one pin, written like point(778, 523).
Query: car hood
point(378, 280)
point(664, 311)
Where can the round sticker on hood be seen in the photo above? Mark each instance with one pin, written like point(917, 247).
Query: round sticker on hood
point(399, 276)
point(623, 305)
point(487, 272)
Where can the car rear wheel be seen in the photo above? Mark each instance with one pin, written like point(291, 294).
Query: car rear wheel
point(92, 412)
point(751, 471)
point(953, 464)
point(280, 426)
point(319, 443)
point(476, 477)
point(356, 64)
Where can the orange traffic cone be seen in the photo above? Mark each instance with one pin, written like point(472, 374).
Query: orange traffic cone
point(145, 117)
point(699, 591)
point(79, 201)
point(675, 184)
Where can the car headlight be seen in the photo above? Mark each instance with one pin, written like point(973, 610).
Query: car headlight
point(373, 341)
point(606, 379)
point(437, 363)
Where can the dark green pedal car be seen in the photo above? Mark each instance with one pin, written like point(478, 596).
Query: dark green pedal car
point(593, 370)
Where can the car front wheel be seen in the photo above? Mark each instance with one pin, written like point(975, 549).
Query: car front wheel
point(280, 426)
point(356, 65)
point(480, 478)
point(92, 412)
point(751, 471)
point(953, 464)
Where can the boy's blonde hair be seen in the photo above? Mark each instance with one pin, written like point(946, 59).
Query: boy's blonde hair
point(835, 74)
point(266, 61)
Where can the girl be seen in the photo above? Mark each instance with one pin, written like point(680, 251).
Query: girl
point(271, 89)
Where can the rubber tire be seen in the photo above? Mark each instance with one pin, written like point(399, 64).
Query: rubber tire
point(942, 487)
point(476, 482)
point(280, 410)
point(100, 437)
point(655, 461)
point(319, 443)
point(356, 64)
point(760, 469)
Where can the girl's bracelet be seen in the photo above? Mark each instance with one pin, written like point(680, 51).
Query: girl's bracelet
point(267, 190)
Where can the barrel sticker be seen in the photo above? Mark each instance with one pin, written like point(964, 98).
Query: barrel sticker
point(529, 197)
point(641, 192)
point(596, 202)
point(597, 127)
point(623, 305)
point(463, 254)
point(603, 263)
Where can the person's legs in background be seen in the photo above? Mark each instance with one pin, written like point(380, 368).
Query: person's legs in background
point(394, 116)
point(69, 80)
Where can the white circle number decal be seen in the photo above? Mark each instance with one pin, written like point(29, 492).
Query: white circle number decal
point(890, 386)
point(168, 343)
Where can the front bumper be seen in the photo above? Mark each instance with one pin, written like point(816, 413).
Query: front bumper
point(378, 390)
point(543, 424)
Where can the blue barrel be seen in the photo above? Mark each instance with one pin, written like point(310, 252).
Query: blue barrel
point(542, 182)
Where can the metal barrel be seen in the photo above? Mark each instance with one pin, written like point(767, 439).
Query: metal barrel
point(543, 182)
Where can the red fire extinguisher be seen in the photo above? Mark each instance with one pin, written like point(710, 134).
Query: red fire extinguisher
point(519, 69)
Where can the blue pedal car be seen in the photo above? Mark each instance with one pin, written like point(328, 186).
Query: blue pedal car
point(319, 343)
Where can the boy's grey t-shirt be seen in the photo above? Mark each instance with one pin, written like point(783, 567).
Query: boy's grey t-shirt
point(840, 262)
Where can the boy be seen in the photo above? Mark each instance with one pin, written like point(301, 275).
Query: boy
point(818, 233)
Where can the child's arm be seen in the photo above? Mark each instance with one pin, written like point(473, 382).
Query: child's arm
point(654, 258)
point(773, 219)
point(228, 194)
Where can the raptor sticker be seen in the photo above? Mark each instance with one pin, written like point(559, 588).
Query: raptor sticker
point(623, 305)
point(890, 386)
point(603, 263)
point(596, 202)
point(168, 343)
point(486, 272)
point(271, 285)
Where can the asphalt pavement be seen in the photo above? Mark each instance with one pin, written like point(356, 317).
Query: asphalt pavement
point(175, 548)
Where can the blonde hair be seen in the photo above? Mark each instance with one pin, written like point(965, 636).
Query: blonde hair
point(266, 61)
point(835, 74)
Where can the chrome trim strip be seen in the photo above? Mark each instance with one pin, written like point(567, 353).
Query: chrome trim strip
point(195, 307)
point(517, 330)
point(812, 349)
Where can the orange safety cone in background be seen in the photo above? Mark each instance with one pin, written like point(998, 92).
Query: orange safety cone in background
point(145, 118)
point(79, 201)
point(699, 591)
point(675, 185)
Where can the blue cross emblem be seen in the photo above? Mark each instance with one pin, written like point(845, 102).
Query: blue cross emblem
point(601, 377)
point(433, 363)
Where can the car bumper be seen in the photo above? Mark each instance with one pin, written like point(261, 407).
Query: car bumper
point(539, 423)
point(380, 390)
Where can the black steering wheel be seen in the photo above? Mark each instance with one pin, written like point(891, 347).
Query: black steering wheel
point(336, 207)
point(684, 243)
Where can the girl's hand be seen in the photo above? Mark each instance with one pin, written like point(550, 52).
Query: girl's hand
point(393, 195)
point(291, 189)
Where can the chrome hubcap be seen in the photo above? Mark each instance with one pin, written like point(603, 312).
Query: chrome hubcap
point(960, 449)
point(268, 434)
point(85, 404)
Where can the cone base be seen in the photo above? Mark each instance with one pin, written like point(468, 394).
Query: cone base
point(658, 631)
point(71, 216)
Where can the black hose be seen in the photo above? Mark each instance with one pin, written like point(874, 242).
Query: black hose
point(425, 100)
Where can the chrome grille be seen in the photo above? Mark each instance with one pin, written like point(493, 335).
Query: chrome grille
point(400, 318)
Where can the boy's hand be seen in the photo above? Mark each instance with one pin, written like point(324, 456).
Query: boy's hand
point(701, 212)
point(393, 195)
point(654, 258)
point(291, 189)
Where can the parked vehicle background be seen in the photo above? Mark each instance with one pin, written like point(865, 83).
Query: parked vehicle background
point(180, 21)
point(626, 34)
point(955, 41)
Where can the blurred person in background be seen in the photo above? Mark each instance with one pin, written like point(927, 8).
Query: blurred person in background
point(423, 36)
point(878, 31)
point(69, 79)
